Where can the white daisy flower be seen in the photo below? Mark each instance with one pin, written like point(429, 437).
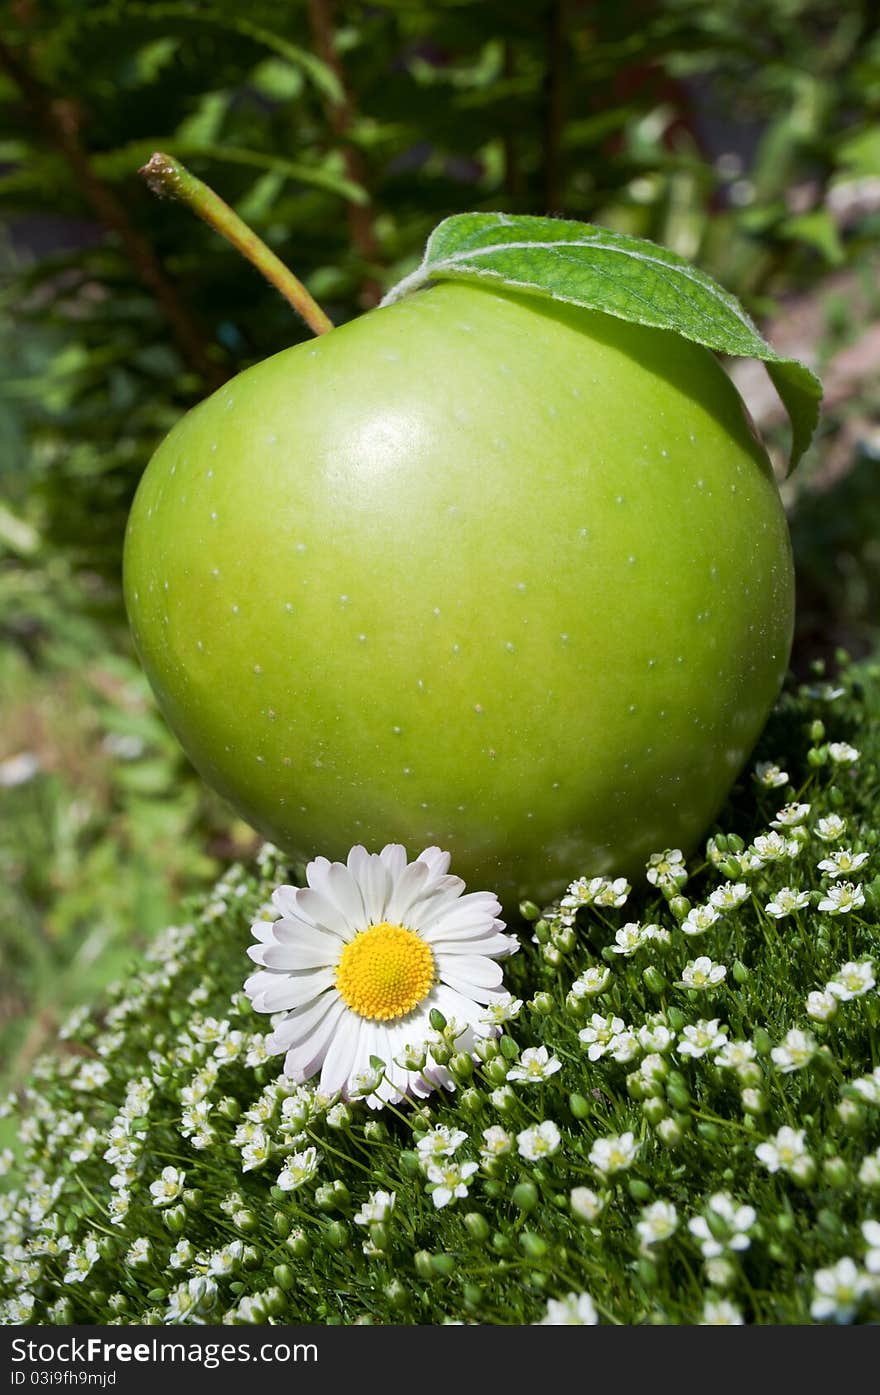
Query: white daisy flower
point(843, 862)
point(667, 869)
point(361, 956)
point(852, 980)
point(841, 898)
point(574, 1310)
point(440, 1142)
point(772, 847)
point(534, 1065)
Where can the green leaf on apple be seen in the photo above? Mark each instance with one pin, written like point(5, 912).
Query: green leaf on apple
point(627, 277)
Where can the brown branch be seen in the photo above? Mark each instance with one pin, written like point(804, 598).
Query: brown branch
point(554, 104)
point(62, 121)
point(341, 115)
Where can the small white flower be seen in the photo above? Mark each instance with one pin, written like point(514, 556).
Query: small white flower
point(869, 1170)
point(539, 1141)
point(582, 892)
point(92, 1076)
point(735, 1055)
point(783, 1152)
point(613, 1154)
point(841, 898)
point(612, 893)
point(449, 1180)
point(624, 1047)
point(139, 1252)
point(868, 1087)
point(699, 1037)
point(81, 1261)
point(720, 1312)
point(192, 1300)
point(871, 1234)
point(667, 869)
point(181, 1256)
point(796, 1051)
point(224, 1261)
point(841, 753)
point(699, 919)
point(772, 847)
point(791, 816)
point(838, 1292)
point(821, 1005)
point(376, 1209)
point(503, 1009)
point(830, 829)
point(168, 1186)
point(659, 1221)
point(702, 973)
point(728, 896)
point(574, 1310)
point(731, 1230)
point(770, 775)
point(298, 1169)
point(586, 1204)
point(786, 901)
point(600, 1033)
point(591, 982)
point(439, 1142)
point(497, 1142)
point(534, 1066)
point(852, 980)
point(843, 862)
point(628, 939)
point(654, 1035)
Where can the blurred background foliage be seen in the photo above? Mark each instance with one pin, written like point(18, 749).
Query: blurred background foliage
point(744, 135)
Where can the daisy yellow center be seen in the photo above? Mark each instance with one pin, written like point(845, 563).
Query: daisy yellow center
point(385, 972)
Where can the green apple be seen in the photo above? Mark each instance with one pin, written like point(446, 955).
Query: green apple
point(477, 569)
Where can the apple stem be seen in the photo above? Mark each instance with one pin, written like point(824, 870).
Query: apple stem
point(167, 176)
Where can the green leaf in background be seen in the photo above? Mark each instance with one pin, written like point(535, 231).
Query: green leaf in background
point(627, 277)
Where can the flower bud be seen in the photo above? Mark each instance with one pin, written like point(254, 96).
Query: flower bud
point(477, 1227)
point(525, 1196)
point(529, 911)
point(461, 1066)
point(653, 979)
point(174, 1217)
point(337, 1235)
point(542, 932)
point(579, 1106)
point(487, 1048)
point(283, 1276)
point(679, 905)
point(443, 1265)
point(535, 1246)
point(654, 1110)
